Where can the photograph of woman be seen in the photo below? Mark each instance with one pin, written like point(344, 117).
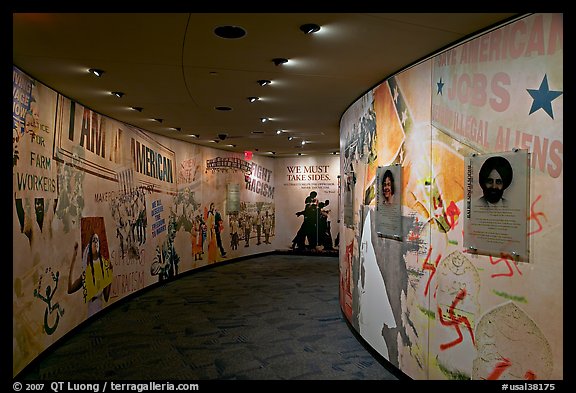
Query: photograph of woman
point(388, 188)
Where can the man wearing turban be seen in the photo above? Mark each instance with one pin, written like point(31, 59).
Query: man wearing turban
point(495, 177)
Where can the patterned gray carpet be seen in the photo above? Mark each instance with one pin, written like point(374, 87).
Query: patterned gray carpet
point(274, 317)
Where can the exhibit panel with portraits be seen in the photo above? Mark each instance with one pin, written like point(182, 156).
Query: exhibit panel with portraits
point(474, 289)
point(496, 204)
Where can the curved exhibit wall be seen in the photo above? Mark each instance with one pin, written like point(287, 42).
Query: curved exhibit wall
point(439, 284)
point(83, 182)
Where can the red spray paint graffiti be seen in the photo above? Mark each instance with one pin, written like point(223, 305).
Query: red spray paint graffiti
point(431, 267)
point(505, 257)
point(504, 364)
point(455, 321)
point(534, 216)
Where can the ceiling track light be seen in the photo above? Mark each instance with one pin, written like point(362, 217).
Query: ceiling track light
point(264, 82)
point(253, 99)
point(309, 28)
point(279, 61)
point(96, 72)
point(118, 94)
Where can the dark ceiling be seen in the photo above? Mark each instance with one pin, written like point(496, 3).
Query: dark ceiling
point(174, 67)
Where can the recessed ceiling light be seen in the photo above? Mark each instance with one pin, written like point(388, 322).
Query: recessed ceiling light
point(118, 94)
point(253, 99)
point(176, 128)
point(230, 32)
point(264, 82)
point(290, 138)
point(263, 119)
point(257, 132)
point(96, 72)
point(279, 60)
point(278, 132)
point(159, 120)
point(223, 108)
point(195, 136)
point(137, 108)
point(309, 28)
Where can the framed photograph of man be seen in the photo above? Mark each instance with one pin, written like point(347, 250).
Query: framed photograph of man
point(388, 206)
point(496, 204)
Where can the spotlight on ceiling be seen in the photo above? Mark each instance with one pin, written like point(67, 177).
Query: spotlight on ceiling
point(118, 94)
point(264, 82)
point(279, 60)
point(263, 119)
point(309, 28)
point(159, 120)
point(96, 72)
point(290, 138)
point(253, 99)
point(137, 108)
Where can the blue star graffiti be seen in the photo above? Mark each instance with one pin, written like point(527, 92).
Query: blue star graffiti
point(543, 97)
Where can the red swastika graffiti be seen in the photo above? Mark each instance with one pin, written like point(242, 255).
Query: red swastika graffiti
point(534, 216)
point(502, 365)
point(455, 321)
point(506, 258)
point(431, 267)
point(499, 368)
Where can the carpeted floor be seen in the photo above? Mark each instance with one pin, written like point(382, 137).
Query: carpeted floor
point(274, 317)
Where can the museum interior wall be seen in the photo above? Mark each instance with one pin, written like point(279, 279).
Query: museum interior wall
point(102, 209)
point(444, 274)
